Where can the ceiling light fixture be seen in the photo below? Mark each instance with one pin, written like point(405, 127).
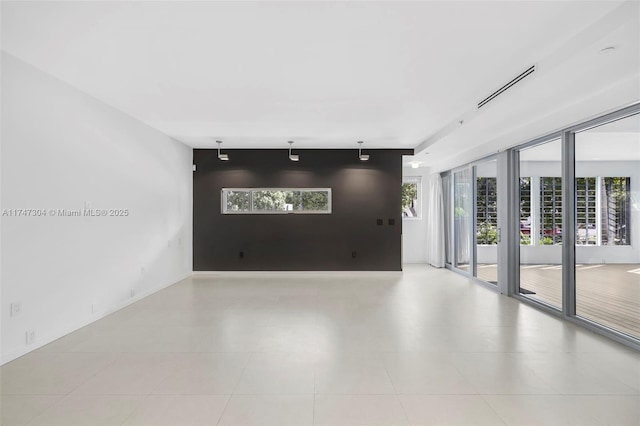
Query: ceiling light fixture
point(293, 157)
point(415, 164)
point(222, 157)
point(361, 156)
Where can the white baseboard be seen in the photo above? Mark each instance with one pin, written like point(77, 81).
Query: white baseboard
point(45, 340)
point(205, 274)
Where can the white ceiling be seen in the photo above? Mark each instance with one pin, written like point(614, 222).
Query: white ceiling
point(325, 74)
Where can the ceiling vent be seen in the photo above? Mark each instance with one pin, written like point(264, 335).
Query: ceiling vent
point(507, 86)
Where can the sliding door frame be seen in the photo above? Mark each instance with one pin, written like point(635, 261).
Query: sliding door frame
point(448, 220)
point(511, 167)
point(508, 192)
point(474, 229)
point(454, 258)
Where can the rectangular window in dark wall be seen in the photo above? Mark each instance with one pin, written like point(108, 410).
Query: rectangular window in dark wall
point(276, 200)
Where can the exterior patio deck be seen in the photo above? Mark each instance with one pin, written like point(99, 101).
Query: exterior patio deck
point(608, 294)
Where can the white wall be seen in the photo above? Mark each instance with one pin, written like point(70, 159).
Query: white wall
point(414, 230)
point(62, 149)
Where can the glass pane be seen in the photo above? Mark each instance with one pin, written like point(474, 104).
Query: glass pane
point(238, 201)
point(462, 212)
point(607, 216)
point(310, 201)
point(410, 199)
point(525, 211)
point(541, 223)
point(587, 231)
point(550, 210)
point(487, 222)
point(615, 220)
point(271, 200)
point(277, 200)
point(446, 202)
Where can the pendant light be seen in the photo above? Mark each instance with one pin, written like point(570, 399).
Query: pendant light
point(293, 157)
point(222, 157)
point(361, 156)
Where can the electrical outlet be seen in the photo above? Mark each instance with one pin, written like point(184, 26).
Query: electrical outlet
point(133, 293)
point(30, 336)
point(95, 308)
point(15, 309)
point(142, 270)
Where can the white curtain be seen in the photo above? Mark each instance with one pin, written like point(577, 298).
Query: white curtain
point(435, 224)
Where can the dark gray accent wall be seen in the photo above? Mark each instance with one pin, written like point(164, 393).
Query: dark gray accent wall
point(350, 238)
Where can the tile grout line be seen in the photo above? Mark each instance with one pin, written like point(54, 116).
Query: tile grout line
point(313, 411)
point(233, 391)
point(315, 361)
point(393, 385)
point(64, 396)
point(146, 396)
point(464, 376)
point(386, 371)
point(493, 409)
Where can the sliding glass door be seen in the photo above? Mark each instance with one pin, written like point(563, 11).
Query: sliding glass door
point(570, 214)
point(487, 234)
point(462, 216)
point(447, 200)
point(607, 264)
point(540, 205)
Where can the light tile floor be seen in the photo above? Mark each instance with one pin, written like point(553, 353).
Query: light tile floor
point(423, 347)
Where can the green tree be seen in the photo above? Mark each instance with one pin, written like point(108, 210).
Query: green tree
point(409, 194)
point(617, 207)
point(238, 201)
point(525, 209)
point(315, 200)
point(486, 234)
point(546, 241)
point(269, 200)
point(551, 209)
point(486, 210)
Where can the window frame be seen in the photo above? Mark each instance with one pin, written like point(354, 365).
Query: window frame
point(532, 218)
point(418, 181)
point(625, 215)
point(251, 191)
point(554, 190)
point(486, 207)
